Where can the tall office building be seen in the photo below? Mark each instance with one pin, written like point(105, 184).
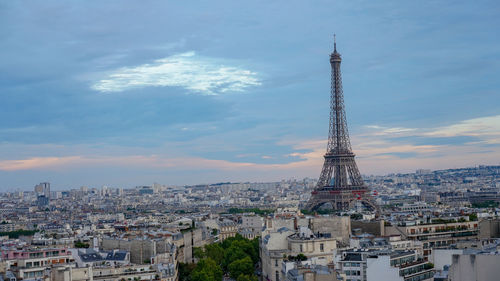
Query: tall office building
point(43, 189)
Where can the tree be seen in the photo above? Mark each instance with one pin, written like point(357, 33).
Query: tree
point(299, 257)
point(256, 247)
point(185, 270)
point(215, 252)
point(199, 253)
point(15, 234)
point(207, 270)
point(356, 216)
point(248, 248)
point(232, 254)
point(201, 276)
point(236, 256)
point(80, 244)
point(243, 277)
point(242, 266)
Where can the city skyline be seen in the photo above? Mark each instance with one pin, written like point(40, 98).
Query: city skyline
point(214, 93)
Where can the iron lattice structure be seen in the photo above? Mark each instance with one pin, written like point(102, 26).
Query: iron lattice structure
point(340, 182)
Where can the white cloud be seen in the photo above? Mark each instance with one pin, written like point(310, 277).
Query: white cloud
point(379, 147)
point(389, 131)
point(187, 70)
point(483, 126)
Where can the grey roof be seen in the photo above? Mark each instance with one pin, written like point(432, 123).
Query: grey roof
point(266, 238)
point(353, 257)
point(92, 257)
point(117, 256)
point(283, 229)
point(9, 275)
point(397, 254)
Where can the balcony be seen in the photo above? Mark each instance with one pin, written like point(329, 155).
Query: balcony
point(443, 232)
point(415, 268)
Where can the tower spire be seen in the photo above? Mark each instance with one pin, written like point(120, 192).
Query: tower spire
point(334, 43)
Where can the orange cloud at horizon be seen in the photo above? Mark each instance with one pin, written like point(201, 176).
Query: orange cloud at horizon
point(377, 154)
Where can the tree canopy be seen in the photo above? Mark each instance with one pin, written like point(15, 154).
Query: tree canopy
point(236, 256)
point(206, 270)
point(242, 266)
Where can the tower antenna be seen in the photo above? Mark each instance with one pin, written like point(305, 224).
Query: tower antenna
point(334, 42)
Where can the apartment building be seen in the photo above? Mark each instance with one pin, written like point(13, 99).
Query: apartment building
point(383, 265)
point(31, 263)
point(438, 234)
point(286, 244)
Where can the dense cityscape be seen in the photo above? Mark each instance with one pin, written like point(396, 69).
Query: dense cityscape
point(431, 224)
point(208, 122)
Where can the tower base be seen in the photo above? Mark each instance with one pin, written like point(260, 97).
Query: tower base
point(341, 199)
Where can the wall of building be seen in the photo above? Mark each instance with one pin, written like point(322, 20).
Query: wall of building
point(372, 227)
point(273, 247)
point(442, 257)
point(273, 224)
point(489, 228)
point(312, 248)
point(193, 238)
point(253, 222)
point(71, 274)
point(379, 269)
point(338, 226)
point(475, 267)
point(140, 250)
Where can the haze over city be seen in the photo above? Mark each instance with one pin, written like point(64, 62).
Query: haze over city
point(103, 93)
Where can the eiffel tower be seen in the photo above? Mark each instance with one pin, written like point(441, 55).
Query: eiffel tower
point(340, 182)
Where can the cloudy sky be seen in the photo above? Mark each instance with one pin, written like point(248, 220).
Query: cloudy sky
point(125, 93)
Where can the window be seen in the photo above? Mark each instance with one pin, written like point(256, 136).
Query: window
point(322, 247)
point(275, 262)
point(301, 248)
point(277, 275)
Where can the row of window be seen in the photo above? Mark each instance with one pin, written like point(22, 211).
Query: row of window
point(52, 253)
point(356, 264)
point(421, 277)
point(412, 270)
point(45, 262)
point(40, 254)
point(32, 264)
point(36, 255)
point(321, 247)
point(352, 272)
point(403, 260)
point(33, 274)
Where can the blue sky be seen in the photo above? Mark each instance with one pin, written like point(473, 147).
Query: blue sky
point(122, 93)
